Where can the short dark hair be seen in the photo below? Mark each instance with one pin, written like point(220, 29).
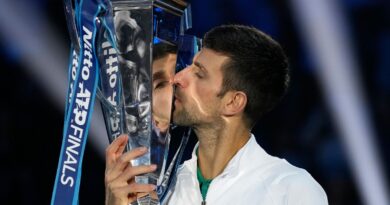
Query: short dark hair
point(257, 66)
point(160, 50)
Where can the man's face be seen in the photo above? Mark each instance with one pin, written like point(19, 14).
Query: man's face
point(197, 88)
point(163, 72)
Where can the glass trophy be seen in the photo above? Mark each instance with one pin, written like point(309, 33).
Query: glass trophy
point(136, 81)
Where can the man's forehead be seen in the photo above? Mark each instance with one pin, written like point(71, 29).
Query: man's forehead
point(210, 58)
point(166, 63)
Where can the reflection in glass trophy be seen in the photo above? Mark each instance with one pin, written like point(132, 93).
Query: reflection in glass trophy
point(136, 84)
point(188, 46)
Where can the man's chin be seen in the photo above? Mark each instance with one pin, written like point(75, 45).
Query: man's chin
point(182, 120)
point(176, 120)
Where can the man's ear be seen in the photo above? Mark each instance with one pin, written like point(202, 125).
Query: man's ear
point(234, 102)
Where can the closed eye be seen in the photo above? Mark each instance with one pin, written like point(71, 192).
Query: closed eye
point(160, 80)
point(160, 84)
point(199, 75)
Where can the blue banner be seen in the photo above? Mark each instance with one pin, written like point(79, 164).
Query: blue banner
point(83, 81)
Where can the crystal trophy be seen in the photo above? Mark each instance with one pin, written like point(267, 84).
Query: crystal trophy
point(136, 81)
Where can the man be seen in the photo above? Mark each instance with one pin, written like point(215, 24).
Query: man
point(240, 74)
point(163, 70)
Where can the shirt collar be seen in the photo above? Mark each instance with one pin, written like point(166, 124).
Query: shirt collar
point(234, 164)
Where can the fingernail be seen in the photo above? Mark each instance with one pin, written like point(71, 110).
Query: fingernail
point(153, 187)
point(153, 166)
point(142, 149)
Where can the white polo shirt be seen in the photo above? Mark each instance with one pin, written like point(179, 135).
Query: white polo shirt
point(251, 177)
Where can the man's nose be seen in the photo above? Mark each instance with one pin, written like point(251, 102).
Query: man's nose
point(180, 78)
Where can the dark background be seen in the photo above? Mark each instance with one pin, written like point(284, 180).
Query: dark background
point(301, 129)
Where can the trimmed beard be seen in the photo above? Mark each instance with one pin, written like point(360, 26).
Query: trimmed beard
point(184, 117)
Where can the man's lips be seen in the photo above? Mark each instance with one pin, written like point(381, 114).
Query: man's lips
point(177, 99)
point(178, 96)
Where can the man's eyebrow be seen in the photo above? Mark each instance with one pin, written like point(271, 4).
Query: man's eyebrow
point(159, 75)
point(197, 64)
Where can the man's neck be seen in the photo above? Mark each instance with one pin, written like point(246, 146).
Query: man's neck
point(218, 146)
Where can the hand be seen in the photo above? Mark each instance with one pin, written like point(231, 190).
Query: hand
point(121, 188)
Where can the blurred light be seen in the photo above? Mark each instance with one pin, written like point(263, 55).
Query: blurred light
point(11, 53)
point(323, 27)
point(45, 56)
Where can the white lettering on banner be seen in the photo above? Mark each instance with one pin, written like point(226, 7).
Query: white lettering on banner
point(75, 64)
point(87, 37)
point(77, 130)
point(111, 66)
point(112, 69)
point(82, 103)
point(80, 111)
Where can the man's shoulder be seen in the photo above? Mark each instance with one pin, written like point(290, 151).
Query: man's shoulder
point(298, 186)
point(279, 172)
point(284, 180)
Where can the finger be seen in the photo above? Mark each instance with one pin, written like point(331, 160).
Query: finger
point(122, 146)
point(124, 161)
point(141, 188)
point(136, 188)
point(141, 193)
point(129, 192)
point(117, 146)
point(130, 172)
